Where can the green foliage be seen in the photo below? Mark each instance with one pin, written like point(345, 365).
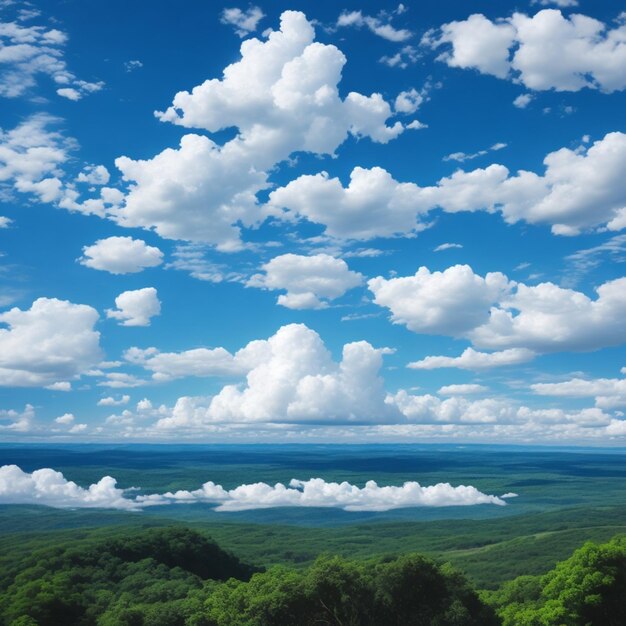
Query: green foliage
point(405, 591)
point(177, 577)
point(588, 589)
point(132, 579)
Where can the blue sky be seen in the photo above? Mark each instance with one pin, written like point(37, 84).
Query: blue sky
point(382, 222)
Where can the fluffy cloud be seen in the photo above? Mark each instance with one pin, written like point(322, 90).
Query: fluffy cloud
point(94, 175)
point(52, 341)
point(372, 205)
point(244, 22)
point(5, 222)
point(136, 308)
point(29, 51)
point(51, 488)
point(66, 419)
point(111, 401)
point(471, 359)
point(451, 302)
point(581, 189)
point(293, 378)
point(282, 97)
point(548, 318)
point(121, 255)
point(309, 280)
point(546, 51)
point(201, 362)
point(609, 393)
point(496, 314)
point(316, 492)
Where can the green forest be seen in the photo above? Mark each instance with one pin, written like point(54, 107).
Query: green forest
point(179, 576)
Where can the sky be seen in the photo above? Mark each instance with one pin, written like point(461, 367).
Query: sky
point(358, 222)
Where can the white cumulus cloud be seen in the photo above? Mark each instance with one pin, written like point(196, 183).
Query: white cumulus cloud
point(48, 487)
point(542, 52)
point(53, 341)
point(282, 96)
point(497, 314)
point(293, 378)
point(310, 281)
point(121, 255)
point(136, 308)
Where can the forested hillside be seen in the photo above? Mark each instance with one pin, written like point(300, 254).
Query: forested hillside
point(178, 577)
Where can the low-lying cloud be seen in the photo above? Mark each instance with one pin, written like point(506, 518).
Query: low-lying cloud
point(49, 487)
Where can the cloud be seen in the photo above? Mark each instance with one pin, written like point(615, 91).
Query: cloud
point(292, 378)
point(542, 52)
point(461, 390)
point(244, 22)
point(51, 488)
point(5, 222)
point(94, 175)
point(282, 96)
point(132, 65)
point(407, 55)
point(497, 314)
point(310, 281)
point(447, 246)
point(60, 386)
point(66, 419)
point(609, 393)
point(498, 413)
point(379, 25)
point(316, 492)
point(19, 422)
point(408, 102)
point(29, 51)
point(523, 100)
point(136, 308)
point(80, 89)
point(121, 255)
point(463, 156)
point(583, 261)
point(192, 258)
point(451, 302)
point(111, 401)
point(548, 318)
point(471, 359)
point(52, 341)
point(202, 362)
point(372, 205)
point(31, 155)
point(581, 189)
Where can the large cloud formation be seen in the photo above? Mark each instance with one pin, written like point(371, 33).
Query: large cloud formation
point(51, 488)
point(497, 314)
point(53, 341)
point(581, 189)
point(291, 378)
point(282, 96)
point(545, 51)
